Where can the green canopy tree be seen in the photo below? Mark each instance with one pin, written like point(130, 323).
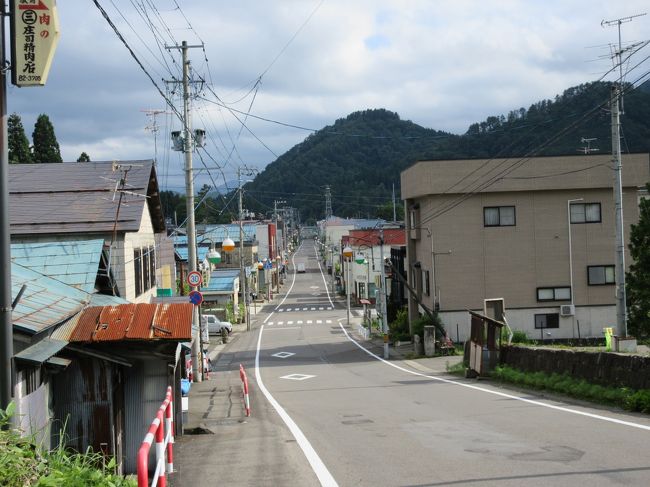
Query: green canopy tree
point(638, 277)
point(19, 152)
point(46, 148)
point(83, 157)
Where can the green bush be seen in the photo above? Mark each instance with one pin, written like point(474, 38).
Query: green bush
point(519, 336)
point(24, 464)
point(580, 389)
point(399, 327)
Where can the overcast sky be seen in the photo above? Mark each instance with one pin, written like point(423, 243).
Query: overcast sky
point(441, 64)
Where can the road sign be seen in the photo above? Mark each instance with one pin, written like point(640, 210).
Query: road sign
point(34, 36)
point(196, 297)
point(194, 278)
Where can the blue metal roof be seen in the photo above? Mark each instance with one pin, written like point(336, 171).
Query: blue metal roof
point(74, 262)
point(222, 280)
point(105, 300)
point(183, 253)
point(218, 234)
point(45, 302)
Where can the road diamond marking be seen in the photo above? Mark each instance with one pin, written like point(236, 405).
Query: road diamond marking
point(283, 354)
point(297, 376)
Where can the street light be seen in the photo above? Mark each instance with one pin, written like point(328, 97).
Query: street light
point(347, 253)
point(568, 213)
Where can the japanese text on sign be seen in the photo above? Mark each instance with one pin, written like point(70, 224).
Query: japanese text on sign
point(34, 36)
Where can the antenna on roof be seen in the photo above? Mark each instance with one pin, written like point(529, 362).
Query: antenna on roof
point(588, 149)
point(154, 128)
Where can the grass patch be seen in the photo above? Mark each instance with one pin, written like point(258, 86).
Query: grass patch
point(25, 464)
point(457, 369)
point(623, 397)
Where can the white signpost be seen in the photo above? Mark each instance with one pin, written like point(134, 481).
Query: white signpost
point(34, 36)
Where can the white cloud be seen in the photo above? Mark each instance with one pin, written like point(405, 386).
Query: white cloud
point(443, 64)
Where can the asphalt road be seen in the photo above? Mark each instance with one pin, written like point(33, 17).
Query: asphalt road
point(336, 414)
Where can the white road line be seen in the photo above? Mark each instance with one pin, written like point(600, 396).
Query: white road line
point(319, 322)
point(317, 465)
point(304, 309)
point(300, 322)
point(497, 393)
point(289, 322)
point(309, 322)
point(280, 322)
point(312, 309)
point(321, 308)
point(328, 321)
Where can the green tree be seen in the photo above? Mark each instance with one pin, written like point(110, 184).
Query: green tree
point(46, 148)
point(18, 142)
point(638, 277)
point(83, 157)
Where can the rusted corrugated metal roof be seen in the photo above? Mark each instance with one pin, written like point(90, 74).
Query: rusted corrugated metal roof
point(78, 198)
point(134, 322)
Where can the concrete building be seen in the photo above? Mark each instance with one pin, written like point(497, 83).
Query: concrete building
point(481, 229)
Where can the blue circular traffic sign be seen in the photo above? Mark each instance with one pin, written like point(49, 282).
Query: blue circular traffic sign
point(196, 297)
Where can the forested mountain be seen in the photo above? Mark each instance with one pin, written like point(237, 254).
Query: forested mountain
point(361, 156)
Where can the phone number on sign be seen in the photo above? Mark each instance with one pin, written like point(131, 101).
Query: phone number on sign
point(26, 77)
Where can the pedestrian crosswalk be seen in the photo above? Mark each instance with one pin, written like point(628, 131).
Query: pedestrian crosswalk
point(298, 322)
point(304, 308)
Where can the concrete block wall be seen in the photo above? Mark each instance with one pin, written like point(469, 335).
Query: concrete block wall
point(604, 368)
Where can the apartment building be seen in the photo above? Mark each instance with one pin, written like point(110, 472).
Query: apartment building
point(537, 232)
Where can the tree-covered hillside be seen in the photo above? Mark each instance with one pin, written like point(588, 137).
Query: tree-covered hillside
point(361, 156)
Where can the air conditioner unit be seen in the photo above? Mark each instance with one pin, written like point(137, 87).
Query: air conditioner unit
point(567, 310)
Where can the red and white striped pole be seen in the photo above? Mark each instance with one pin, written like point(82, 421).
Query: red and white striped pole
point(244, 379)
point(169, 427)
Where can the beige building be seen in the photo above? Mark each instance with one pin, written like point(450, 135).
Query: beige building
point(480, 229)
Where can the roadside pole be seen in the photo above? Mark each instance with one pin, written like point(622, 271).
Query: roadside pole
point(384, 318)
point(6, 326)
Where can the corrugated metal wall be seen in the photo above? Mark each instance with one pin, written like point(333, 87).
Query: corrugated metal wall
point(145, 388)
point(82, 399)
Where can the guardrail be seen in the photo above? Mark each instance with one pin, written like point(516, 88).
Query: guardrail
point(163, 432)
point(244, 379)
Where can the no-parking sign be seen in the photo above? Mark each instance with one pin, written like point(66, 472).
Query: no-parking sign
point(196, 297)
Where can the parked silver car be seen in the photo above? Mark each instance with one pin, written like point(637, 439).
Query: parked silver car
point(214, 325)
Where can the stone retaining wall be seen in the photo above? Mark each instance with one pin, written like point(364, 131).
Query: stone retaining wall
point(603, 368)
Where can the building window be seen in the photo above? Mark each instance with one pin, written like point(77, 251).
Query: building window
point(499, 216)
point(553, 294)
point(137, 267)
point(547, 320)
point(585, 213)
point(600, 275)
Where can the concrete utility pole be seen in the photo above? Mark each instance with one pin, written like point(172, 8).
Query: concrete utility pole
point(242, 263)
point(6, 326)
point(384, 318)
point(188, 147)
point(621, 310)
point(616, 106)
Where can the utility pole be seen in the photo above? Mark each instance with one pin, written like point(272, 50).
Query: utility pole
point(6, 326)
point(384, 318)
point(621, 311)
point(242, 268)
point(616, 101)
point(197, 365)
point(328, 203)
